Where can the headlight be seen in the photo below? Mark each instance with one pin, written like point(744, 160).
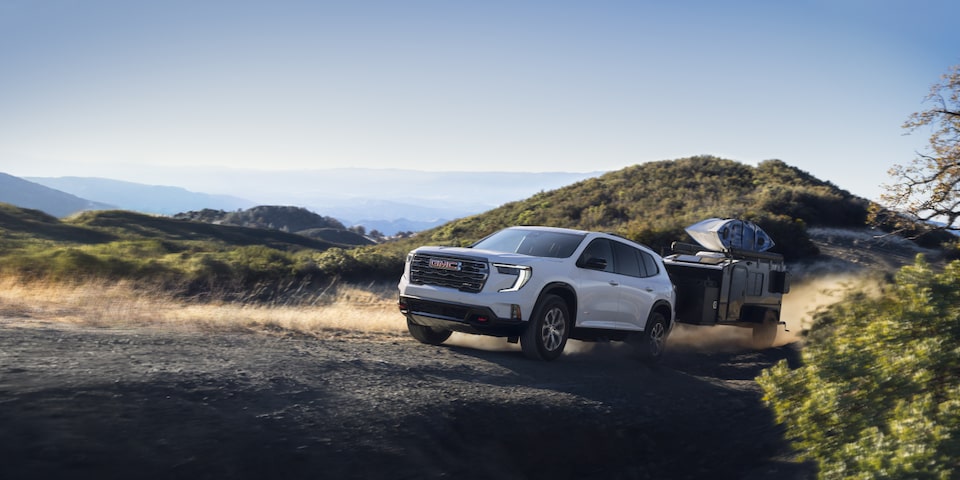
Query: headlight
point(522, 272)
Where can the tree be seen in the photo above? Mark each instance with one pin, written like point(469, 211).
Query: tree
point(878, 392)
point(928, 189)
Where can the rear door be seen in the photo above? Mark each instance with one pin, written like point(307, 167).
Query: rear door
point(637, 291)
point(737, 290)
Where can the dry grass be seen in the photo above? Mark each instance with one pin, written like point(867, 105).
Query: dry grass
point(346, 311)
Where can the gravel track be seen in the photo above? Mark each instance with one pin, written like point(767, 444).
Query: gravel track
point(79, 402)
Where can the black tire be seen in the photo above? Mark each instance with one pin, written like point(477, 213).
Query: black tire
point(653, 339)
point(547, 331)
point(428, 335)
point(765, 334)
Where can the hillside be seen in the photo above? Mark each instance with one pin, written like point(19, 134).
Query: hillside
point(284, 218)
point(653, 202)
point(26, 194)
point(131, 225)
point(188, 256)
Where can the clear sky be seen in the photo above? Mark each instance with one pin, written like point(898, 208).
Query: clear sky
point(89, 85)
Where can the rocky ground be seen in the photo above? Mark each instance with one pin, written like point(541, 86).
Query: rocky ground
point(106, 403)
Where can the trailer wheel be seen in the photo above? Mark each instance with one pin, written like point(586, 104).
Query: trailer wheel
point(765, 333)
point(428, 335)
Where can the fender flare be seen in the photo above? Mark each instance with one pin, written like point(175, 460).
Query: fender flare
point(563, 290)
point(665, 306)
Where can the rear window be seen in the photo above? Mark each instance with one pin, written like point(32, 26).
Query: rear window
point(537, 243)
point(650, 264)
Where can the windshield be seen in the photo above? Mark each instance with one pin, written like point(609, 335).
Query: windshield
point(537, 243)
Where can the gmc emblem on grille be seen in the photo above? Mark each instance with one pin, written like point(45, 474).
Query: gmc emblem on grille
point(445, 264)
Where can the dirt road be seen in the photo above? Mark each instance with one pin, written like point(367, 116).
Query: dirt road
point(105, 403)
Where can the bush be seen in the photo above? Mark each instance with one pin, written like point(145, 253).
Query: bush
point(878, 395)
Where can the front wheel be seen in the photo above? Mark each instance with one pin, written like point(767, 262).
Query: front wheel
point(428, 335)
point(547, 332)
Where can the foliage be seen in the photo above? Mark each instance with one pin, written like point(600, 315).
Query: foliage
point(878, 395)
point(928, 189)
point(285, 219)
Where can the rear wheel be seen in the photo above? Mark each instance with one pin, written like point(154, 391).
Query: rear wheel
point(548, 330)
point(653, 340)
point(428, 335)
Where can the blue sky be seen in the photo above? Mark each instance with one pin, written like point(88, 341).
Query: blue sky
point(115, 88)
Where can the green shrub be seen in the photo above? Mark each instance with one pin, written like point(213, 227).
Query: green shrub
point(260, 261)
point(878, 394)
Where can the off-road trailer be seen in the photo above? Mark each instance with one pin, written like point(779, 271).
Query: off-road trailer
point(729, 279)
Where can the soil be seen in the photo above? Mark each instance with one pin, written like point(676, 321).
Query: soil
point(81, 402)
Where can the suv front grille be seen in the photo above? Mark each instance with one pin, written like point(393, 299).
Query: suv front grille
point(465, 274)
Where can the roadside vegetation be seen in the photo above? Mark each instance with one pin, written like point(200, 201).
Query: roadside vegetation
point(878, 393)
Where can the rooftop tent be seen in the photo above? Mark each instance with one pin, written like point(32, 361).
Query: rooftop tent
point(721, 235)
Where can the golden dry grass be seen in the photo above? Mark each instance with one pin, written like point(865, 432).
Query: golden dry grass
point(348, 311)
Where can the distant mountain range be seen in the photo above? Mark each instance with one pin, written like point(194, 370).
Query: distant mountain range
point(138, 197)
point(26, 194)
point(388, 201)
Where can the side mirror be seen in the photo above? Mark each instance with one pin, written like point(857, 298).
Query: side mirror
point(596, 264)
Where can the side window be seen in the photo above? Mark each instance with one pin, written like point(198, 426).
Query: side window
point(627, 262)
point(650, 265)
point(598, 249)
point(644, 272)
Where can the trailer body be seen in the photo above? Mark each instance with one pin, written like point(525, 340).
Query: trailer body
point(725, 284)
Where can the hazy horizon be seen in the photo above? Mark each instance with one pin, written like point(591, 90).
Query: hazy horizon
point(117, 89)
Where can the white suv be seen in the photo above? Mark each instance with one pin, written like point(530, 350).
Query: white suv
point(540, 286)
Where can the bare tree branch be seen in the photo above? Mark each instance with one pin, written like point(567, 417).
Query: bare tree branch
point(928, 189)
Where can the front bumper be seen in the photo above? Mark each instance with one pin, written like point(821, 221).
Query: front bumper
point(458, 317)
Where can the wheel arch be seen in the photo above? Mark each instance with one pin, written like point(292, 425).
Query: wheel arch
point(564, 291)
point(665, 309)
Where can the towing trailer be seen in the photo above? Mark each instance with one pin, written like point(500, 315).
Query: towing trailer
point(729, 278)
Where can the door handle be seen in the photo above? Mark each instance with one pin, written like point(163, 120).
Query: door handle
point(649, 289)
point(613, 283)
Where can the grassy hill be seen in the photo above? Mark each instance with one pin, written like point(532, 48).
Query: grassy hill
point(285, 218)
point(178, 254)
point(653, 202)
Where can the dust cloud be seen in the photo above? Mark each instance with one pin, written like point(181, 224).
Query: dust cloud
point(808, 293)
point(481, 342)
point(498, 344)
